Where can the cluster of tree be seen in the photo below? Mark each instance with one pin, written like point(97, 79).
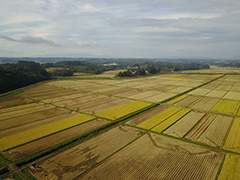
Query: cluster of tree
point(159, 67)
point(235, 64)
point(23, 73)
point(60, 72)
point(76, 66)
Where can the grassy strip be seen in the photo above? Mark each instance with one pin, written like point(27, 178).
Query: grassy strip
point(27, 175)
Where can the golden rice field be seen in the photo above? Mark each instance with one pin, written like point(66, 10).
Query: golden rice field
point(123, 110)
point(231, 168)
point(225, 106)
point(32, 134)
point(233, 140)
point(177, 99)
point(155, 120)
point(168, 122)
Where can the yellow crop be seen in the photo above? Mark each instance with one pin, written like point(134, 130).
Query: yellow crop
point(148, 124)
point(123, 110)
point(32, 134)
point(233, 140)
point(225, 106)
point(171, 120)
point(177, 99)
point(231, 168)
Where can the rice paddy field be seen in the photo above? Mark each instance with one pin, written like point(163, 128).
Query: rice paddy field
point(169, 126)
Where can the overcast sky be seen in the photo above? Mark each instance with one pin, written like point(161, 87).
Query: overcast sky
point(120, 28)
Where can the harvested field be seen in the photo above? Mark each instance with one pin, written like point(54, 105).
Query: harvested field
point(187, 101)
point(199, 92)
point(76, 160)
point(180, 128)
point(155, 120)
point(28, 118)
point(224, 88)
point(211, 130)
point(21, 112)
point(230, 168)
point(233, 139)
point(80, 100)
point(68, 97)
point(147, 115)
point(204, 103)
point(36, 124)
point(143, 95)
point(32, 134)
point(168, 122)
point(105, 106)
point(216, 94)
point(44, 143)
point(232, 96)
point(107, 89)
point(179, 89)
point(117, 91)
point(157, 157)
point(123, 110)
point(11, 101)
point(225, 106)
point(19, 107)
point(177, 99)
point(235, 89)
point(160, 97)
point(86, 102)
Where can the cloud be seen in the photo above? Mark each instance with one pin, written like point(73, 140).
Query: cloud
point(136, 28)
point(30, 39)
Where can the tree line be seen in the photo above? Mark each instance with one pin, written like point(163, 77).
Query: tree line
point(23, 73)
point(160, 67)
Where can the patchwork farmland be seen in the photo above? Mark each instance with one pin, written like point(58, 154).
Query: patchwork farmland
point(169, 126)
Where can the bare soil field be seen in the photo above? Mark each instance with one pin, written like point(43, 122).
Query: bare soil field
point(180, 128)
point(76, 160)
point(157, 157)
point(41, 144)
point(211, 130)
